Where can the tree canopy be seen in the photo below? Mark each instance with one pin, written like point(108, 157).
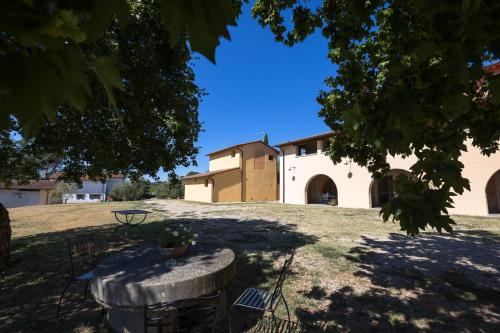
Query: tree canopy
point(45, 61)
point(153, 125)
point(410, 80)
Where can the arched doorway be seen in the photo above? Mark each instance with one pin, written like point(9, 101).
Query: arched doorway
point(321, 189)
point(493, 193)
point(381, 190)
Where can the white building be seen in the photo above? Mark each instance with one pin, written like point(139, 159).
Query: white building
point(90, 190)
point(30, 194)
point(307, 175)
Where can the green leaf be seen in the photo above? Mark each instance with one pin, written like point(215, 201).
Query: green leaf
point(494, 89)
point(64, 23)
point(101, 15)
point(204, 21)
point(35, 85)
point(107, 72)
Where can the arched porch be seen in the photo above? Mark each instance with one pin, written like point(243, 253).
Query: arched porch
point(493, 193)
point(321, 189)
point(381, 190)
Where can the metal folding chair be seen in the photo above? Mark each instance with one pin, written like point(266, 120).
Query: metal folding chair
point(82, 252)
point(193, 315)
point(324, 198)
point(265, 301)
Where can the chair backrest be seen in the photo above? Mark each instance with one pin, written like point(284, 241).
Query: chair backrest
point(82, 253)
point(281, 279)
point(193, 315)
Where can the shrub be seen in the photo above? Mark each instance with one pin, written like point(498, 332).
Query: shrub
point(127, 191)
point(173, 189)
point(61, 189)
point(161, 190)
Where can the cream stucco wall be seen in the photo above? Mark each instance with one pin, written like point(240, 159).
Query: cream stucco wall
point(224, 160)
point(195, 190)
point(259, 184)
point(227, 186)
point(247, 183)
point(354, 192)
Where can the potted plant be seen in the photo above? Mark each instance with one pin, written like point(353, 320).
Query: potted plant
point(174, 242)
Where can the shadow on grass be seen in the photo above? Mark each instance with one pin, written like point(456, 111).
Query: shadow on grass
point(30, 288)
point(431, 283)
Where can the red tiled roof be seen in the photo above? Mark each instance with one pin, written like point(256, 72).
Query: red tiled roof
point(58, 174)
point(209, 173)
point(32, 185)
point(493, 68)
point(309, 138)
point(239, 145)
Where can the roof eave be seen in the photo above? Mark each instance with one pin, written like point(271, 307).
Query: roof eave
point(208, 174)
point(241, 145)
point(314, 137)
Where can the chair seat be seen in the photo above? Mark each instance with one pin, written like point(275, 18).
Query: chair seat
point(255, 299)
point(86, 276)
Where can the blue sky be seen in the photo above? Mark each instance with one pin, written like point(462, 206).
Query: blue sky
point(259, 85)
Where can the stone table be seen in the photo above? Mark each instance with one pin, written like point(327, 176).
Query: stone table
point(141, 275)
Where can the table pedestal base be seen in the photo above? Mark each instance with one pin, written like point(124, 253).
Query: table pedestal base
point(131, 320)
point(125, 321)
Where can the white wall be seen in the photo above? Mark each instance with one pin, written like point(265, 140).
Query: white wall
point(74, 198)
point(354, 192)
point(88, 187)
point(16, 198)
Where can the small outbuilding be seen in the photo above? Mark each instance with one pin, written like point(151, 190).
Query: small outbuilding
point(239, 173)
point(35, 192)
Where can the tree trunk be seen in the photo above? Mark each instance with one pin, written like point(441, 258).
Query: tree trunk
point(5, 233)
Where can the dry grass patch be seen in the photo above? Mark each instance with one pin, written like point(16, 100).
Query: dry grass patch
point(352, 272)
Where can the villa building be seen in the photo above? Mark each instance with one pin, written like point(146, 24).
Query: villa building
point(307, 175)
point(40, 192)
point(243, 172)
point(91, 190)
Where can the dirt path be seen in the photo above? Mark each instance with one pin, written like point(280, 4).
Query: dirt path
point(186, 209)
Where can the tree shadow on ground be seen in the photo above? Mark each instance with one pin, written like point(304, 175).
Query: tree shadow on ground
point(431, 283)
point(30, 288)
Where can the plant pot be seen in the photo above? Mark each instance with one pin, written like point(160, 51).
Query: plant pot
point(173, 252)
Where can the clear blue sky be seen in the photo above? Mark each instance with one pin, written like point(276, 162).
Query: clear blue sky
point(259, 85)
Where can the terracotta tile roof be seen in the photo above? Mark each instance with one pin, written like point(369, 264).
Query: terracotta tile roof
point(58, 174)
point(493, 68)
point(209, 173)
point(32, 185)
point(309, 138)
point(239, 145)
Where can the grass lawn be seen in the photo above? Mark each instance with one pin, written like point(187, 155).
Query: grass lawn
point(352, 272)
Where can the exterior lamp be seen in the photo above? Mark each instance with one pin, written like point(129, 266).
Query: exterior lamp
point(349, 174)
point(290, 169)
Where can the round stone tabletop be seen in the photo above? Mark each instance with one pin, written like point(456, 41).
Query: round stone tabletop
point(142, 275)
